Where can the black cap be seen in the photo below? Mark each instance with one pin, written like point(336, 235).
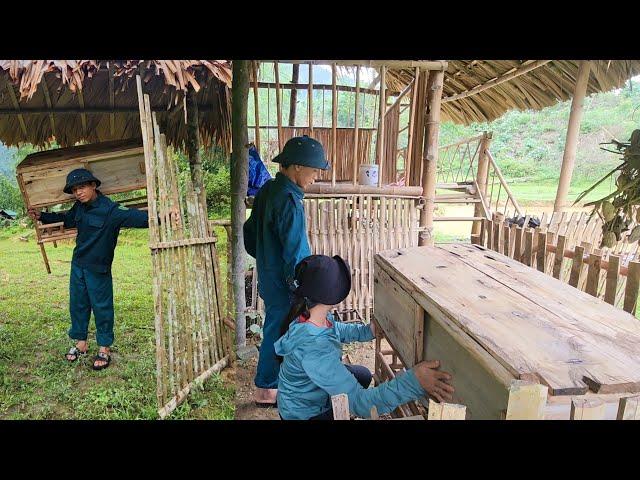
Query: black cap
point(323, 279)
point(78, 177)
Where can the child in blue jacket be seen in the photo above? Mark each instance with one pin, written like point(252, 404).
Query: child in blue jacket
point(310, 347)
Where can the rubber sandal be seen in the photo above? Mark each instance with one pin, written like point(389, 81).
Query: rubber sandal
point(104, 356)
point(76, 352)
point(266, 404)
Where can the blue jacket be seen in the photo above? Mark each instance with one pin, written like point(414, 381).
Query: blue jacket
point(312, 371)
point(98, 225)
point(276, 236)
point(258, 173)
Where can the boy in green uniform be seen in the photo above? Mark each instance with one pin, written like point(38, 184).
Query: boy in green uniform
point(98, 220)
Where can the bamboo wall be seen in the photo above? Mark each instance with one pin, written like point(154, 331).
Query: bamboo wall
point(344, 147)
point(356, 227)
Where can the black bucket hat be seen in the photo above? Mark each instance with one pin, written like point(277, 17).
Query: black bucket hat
point(304, 151)
point(77, 177)
point(323, 279)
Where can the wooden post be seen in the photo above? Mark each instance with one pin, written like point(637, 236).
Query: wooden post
point(310, 98)
point(334, 124)
point(526, 401)
point(355, 130)
point(276, 72)
point(412, 116)
point(256, 109)
point(239, 174)
point(294, 95)
point(587, 409)
point(482, 177)
point(573, 131)
point(631, 289)
point(430, 156)
point(380, 137)
point(193, 147)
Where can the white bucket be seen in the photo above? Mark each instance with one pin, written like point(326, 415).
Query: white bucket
point(368, 175)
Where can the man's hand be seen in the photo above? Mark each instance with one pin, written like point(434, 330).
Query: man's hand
point(434, 381)
point(34, 214)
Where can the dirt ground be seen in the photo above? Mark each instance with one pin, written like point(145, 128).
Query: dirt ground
point(359, 354)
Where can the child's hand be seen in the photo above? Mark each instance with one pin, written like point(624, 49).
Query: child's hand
point(434, 381)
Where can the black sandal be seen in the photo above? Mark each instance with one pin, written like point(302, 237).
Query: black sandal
point(266, 404)
point(76, 352)
point(101, 356)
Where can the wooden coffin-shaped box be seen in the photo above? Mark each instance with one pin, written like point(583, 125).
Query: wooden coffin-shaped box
point(497, 325)
point(119, 165)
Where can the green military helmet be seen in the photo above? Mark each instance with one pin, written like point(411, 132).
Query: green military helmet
point(303, 151)
point(78, 177)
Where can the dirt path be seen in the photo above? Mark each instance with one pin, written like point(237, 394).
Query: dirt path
point(359, 354)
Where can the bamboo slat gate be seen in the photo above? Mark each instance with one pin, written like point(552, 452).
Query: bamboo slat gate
point(191, 341)
point(612, 274)
point(356, 227)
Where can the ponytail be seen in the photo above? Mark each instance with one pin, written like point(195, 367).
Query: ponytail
point(300, 307)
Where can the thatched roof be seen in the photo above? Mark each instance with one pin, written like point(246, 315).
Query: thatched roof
point(96, 100)
point(514, 84)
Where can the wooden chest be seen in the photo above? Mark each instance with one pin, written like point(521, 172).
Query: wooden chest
point(493, 323)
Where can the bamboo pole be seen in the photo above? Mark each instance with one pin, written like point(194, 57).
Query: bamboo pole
point(430, 156)
point(310, 98)
point(278, 105)
point(380, 136)
point(256, 109)
point(355, 129)
point(239, 173)
point(334, 124)
point(410, 135)
point(482, 178)
point(573, 131)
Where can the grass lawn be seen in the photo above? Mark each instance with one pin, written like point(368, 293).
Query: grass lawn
point(36, 382)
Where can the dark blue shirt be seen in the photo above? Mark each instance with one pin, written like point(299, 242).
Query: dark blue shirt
point(276, 236)
point(98, 223)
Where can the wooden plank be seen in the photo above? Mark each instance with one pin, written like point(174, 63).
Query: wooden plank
point(612, 279)
point(517, 245)
point(527, 401)
point(446, 411)
point(593, 274)
point(631, 289)
point(340, 405)
point(587, 409)
point(541, 257)
point(528, 247)
point(604, 341)
point(629, 408)
point(576, 266)
point(558, 261)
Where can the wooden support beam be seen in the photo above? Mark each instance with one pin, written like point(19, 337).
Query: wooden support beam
point(256, 108)
point(16, 106)
point(446, 411)
point(355, 129)
point(276, 72)
point(527, 401)
point(239, 175)
point(334, 124)
point(112, 99)
point(412, 119)
point(513, 73)
point(396, 64)
point(482, 177)
point(430, 156)
point(380, 135)
point(47, 99)
point(587, 409)
point(573, 131)
point(294, 94)
point(83, 115)
point(310, 99)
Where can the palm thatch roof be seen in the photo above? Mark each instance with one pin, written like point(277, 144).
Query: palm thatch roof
point(483, 90)
point(96, 100)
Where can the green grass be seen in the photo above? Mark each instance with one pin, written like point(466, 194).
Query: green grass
point(36, 382)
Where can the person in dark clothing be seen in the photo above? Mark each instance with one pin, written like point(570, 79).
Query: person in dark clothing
point(98, 220)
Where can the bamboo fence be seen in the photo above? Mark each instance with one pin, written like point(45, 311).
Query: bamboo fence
point(356, 227)
point(191, 341)
point(612, 274)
